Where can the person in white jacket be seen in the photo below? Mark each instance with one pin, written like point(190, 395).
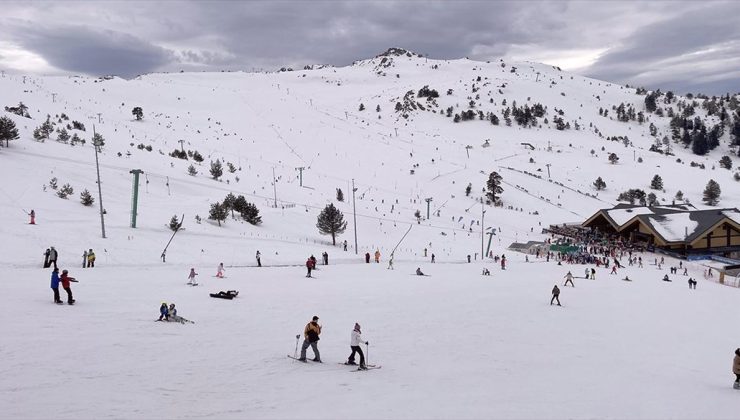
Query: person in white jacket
point(355, 342)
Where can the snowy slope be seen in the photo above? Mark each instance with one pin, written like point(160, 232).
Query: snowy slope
point(453, 345)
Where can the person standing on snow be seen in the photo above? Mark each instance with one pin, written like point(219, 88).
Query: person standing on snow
point(191, 277)
point(503, 262)
point(313, 262)
point(46, 258)
point(390, 263)
point(345, 244)
point(377, 255)
point(84, 258)
point(311, 338)
point(355, 341)
point(614, 269)
point(569, 278)
point(309, 267)
point(433, 259)
point(325, 258)
point(53, 254)
point(220, 271)
point(66, 286)
point(555, 295)
point(90, 259)
point(33, 217)
point(55, 285)
point(593, 274)
point(736, 368)
point(259, 259)
point(367, 258)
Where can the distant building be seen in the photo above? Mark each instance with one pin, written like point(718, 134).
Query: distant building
point(681, 229)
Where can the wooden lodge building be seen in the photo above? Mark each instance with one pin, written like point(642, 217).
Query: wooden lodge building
point(680, 229)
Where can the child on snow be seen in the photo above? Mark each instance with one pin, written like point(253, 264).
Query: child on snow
point(736, 368)
point(55, 285)
point(191, 277)
point(220, 273)
point(355, 341)
point(163, 312)
point(66, 286)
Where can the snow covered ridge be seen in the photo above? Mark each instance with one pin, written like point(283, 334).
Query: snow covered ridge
point(558, 131)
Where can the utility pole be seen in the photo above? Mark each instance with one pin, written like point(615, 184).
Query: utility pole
point(99, 114)
point(428, 200)
point(53, 97)
point(354, 212)
point(182, 148)
point(135, 196)
point(300, 176)
point(548, 171)
point(100, 189)
point(482, 228)
point(274, 185)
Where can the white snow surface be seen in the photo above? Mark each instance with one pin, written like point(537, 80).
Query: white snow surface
point(453, 345)
point(622, 216)
point(674, 226)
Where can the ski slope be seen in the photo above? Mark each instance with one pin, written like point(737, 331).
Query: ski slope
point(454, 345)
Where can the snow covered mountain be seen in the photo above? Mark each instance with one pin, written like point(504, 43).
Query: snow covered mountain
point(403, 128)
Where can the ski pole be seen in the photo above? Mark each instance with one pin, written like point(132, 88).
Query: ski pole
point(367, 349)
point(295, 354)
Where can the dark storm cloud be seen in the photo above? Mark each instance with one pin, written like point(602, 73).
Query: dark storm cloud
point(92, 51)
point(661, 54)
point(649, 43)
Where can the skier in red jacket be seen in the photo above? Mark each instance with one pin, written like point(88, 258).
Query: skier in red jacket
point(65, 285)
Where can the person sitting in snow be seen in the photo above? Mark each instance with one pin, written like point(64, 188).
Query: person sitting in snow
point(486, 272)
point(418, 271)
point(163, 312)
point(665, 278)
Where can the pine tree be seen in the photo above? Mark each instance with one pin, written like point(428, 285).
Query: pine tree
point(679, 195)
point(712, 193)
point(174, 224)
point(192, 171)
point(53, 183)
point(63, 136)
point(98, 141)
point(218, 212)
point(725, 162)
point(43, 131)
point(377, 108)
point(216, 169)
point(228, 203)
point(65, 191)
point(613, 158)
point(231, 167)
point(8, 131)
point(599, 184)
point(650, 104)
point(652, 199)
point(86, 198)
point(340, 195)
point(494, 187)
point(251, 214)
point(138, 113)
point(656, 183)
point(240, 204)
point(331, 222)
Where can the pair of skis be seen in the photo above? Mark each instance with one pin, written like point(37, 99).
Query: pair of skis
point(368, 367)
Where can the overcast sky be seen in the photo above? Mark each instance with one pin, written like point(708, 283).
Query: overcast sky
point(685, 46)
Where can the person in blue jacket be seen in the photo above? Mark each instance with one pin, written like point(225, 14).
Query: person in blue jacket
point(55, 285)
point(164, 312)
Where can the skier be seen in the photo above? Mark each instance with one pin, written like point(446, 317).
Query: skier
point(486, 272)
point(33, 217)
point(569, 278)
point(593, 274)
point(390, 263)
point(736, 368)
point(163, 312)
point(309, 266)
point(588, 272)
point(355, 342)
point(311, 338)
point(259, 261)
point(345, 244)
point(686, 271)
point(367, 258)
point(46, 258)
point(425, 252)
point(665, 278)
point(84, 258)
point(220, 271)
point(377, 255)
point(692, 283)
point(468, 258)
point(614, 270)
point(191, 277)
point(432, 258)
point(503, 262)
point(65, 285)
point(313, 262)
point(90, 259)
point(418, 271)
point(325, 257)
point(53, 254)
point(555, 295)
point(172, 314)
point(55, 285)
